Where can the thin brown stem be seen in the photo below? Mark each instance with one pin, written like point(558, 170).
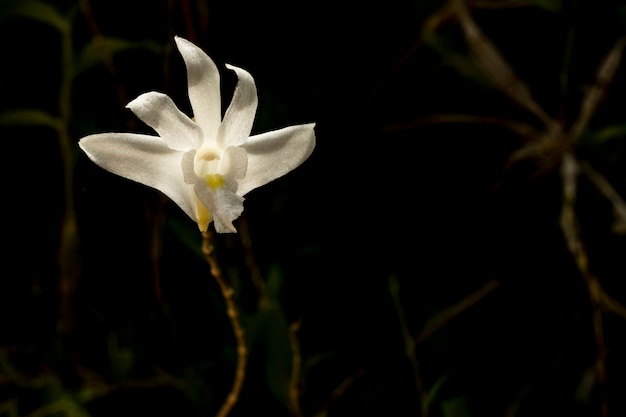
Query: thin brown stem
point(296, 365)
point(571, 231)
point(253, 267)
point(339, 391)
point(608, 191)
point(409, 346)
point(229, 297)
point(441, 319)
point(98, 40)
point(489, 59)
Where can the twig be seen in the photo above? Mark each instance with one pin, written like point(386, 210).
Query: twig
point(296, 364)
point(604, 76)
point(253, 267)
point(571, 231)
point(338, 392)
point(523, 130)
point(453, 311)
point(231, 309)
point(607, 190)
point(499, 71)
point(409, 345)
point(98, 40)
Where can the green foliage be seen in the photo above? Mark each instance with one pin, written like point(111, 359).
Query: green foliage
point(91, 55)
point(37, 10)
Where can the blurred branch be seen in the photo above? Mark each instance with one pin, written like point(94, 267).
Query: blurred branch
point(253, 267)
point(571, 231)
point(441, 319)
point(68, 255)
point(338, 392)
point(296, 365)
point(604, 76)
point(524, 130)
point(409, 345)
point(493, 64)
point(105, 54)
point(607, 190)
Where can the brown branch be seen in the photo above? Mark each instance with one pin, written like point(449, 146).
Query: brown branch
point(242, 352)
point(523, 130)
point(441, 319)
point(250, 260)
point(492, 63)
point(296, 365)
point(409, 346)
point(97, 38)
point(571, 231)
point(338, 392)
point(607, 190)
point(604, 76)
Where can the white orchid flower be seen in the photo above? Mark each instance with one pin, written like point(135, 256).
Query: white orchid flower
point(205, 164)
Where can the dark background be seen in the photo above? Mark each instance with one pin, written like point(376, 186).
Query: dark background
point(395, 225)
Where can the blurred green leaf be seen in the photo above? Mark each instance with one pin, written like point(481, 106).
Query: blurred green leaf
point(269, 328)
point(434, 390)
point(36, 10)
point(608, 133)
point(29, 117)
point(455, 407)
point(97, 51)
point(451, 56)
point(187, 233)
point(9, 408)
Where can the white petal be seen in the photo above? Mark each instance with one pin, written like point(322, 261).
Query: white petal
point(159, 112)
point(187, 164)
point(273, 154)
point(145, 159)
point(224, 205)
point(233, 165)
point(203, 81)
point(237, 123)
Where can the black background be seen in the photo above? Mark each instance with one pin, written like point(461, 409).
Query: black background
point(384, 198)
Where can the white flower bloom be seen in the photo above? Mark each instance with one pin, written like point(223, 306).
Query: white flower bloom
point(205, 165)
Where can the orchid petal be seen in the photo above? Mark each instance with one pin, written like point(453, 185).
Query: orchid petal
point(187, 165)
point(159, 112)
point(144, 159)
point(239, 117)
point(234, 165)
point(273, 154)
point(203, 80)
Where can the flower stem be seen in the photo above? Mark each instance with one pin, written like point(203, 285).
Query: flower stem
point(242, 352)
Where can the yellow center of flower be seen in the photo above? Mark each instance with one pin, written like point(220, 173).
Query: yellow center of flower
point(214, 181)
point(207, 166)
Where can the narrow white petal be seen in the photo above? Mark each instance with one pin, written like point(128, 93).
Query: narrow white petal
point(145, 159)
point(203, 81)
point(159, 112)
point(273, 154)
point(239, 117)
